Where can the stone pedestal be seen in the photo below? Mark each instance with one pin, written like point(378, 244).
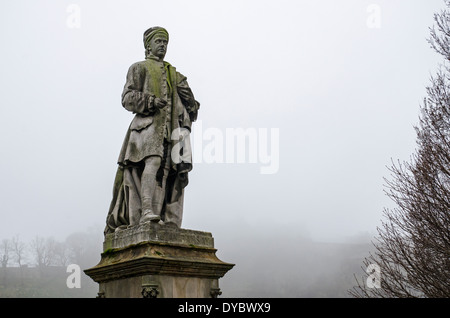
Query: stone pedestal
point(151, 260)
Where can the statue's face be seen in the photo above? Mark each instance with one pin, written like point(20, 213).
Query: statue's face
point(158, 46)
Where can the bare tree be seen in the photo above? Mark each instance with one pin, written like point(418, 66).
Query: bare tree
point(18, 249)
point(413, 243)
point(37, 247)
point(5, 248)
point(61, 254)
point(44, 250)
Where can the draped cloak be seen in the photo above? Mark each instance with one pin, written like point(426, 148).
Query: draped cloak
point(149, 133)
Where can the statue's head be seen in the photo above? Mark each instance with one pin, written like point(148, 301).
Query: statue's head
point(155, 42)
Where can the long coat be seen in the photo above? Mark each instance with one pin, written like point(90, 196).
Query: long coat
point(145, 81)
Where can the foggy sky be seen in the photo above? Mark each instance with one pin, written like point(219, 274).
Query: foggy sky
point(344, 97)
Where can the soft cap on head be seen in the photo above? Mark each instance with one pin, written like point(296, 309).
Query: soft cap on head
point(150, 33)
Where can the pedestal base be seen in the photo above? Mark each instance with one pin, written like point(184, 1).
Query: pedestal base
point(152, 260)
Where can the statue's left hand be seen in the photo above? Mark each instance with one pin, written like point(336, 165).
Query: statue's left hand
point(184, 94)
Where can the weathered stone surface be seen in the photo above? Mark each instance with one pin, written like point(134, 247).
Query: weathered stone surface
point(160, 287)
point(154, 232)
point(151, 260)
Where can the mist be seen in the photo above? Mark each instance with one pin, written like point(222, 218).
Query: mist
point(288, 265)
point(336, 85)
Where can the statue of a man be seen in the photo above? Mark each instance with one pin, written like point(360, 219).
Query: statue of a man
point(153, 168)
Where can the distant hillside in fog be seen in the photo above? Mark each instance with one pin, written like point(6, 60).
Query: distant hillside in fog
point(287, 265)
point(45, 282)
point(294, 268)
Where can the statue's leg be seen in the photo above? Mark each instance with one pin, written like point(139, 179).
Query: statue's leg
point(174, 209)
point(132, 205)
point(175, 198)
point(148, 186)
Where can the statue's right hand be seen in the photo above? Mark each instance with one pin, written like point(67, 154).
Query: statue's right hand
point(159, 102)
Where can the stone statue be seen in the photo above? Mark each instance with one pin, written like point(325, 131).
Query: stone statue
point(155, 158)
